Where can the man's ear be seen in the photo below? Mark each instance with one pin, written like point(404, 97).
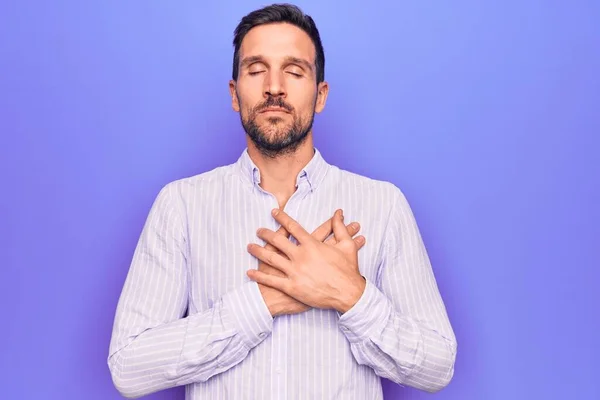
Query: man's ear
point(234, 98)
point(322, 92)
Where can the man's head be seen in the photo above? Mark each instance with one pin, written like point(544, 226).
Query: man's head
point(278, 77)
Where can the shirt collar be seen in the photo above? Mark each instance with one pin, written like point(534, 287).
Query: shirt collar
point(313, 172)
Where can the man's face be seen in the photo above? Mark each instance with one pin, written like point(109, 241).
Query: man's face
point(276, 92)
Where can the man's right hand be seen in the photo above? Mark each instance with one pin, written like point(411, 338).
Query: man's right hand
point(280, 303)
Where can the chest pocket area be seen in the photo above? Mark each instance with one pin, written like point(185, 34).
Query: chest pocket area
point(218, 263)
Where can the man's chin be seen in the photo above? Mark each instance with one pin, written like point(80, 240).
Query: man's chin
point(273, 135)
point(274, 122)
point(275, 146)
point(273, 139)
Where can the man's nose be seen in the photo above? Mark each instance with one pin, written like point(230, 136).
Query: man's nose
point(274, 85)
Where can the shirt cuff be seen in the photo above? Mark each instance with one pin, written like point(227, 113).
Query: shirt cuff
point(370, 313)
point(249, 313)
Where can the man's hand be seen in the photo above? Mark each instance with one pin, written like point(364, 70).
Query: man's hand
point(280, 303)
point(314, 273)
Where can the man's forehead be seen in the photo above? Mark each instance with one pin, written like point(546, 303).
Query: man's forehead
point(277, 41)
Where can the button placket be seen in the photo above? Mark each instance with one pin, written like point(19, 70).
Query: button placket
point(279, 334)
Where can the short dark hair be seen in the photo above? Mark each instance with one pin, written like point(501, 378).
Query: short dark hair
point(277, 13)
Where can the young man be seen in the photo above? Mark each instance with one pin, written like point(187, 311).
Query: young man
point(311, 311)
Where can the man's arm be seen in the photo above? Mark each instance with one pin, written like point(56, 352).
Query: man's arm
point(153, 347)
point(399, 327)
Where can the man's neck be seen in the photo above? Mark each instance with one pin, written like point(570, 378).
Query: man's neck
point(278, 175)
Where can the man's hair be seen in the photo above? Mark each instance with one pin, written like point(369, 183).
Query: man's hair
point(279, 13)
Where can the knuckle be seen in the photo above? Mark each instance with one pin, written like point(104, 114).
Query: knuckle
point(347, 245)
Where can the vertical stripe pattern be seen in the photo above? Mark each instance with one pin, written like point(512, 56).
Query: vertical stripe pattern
point(188, 314)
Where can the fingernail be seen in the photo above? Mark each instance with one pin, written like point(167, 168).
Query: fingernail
point(354, 225)
point(275, 212)
point(259, 231)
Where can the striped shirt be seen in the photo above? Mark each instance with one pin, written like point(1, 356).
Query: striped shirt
point(189, 315)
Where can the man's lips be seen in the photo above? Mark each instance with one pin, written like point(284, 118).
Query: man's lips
point(274, 109)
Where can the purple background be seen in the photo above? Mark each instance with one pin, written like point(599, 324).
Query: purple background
point(486, 115)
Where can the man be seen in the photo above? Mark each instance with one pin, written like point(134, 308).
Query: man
point(310, 310)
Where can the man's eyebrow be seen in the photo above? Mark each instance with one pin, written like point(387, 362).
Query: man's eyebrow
point(251, 59)
point(300, 61)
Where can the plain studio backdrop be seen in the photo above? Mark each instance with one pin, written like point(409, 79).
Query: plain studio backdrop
point(485, 114)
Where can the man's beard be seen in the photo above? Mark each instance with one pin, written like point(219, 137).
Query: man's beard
point(282, 140)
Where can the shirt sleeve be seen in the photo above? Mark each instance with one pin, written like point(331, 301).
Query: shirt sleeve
point(399, 326)
point(154, 345)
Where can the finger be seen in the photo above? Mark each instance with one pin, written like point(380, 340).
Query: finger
point(293, 227)
point(272, 258)
point(352, 229)
point(360, 241)
point(339, 230)
point(270, 247)
point(323, 231)
point(279, 241)
point(281, 231)
point(276, 282)
point(267, 269)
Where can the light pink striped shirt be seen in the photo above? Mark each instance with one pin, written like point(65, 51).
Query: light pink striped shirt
point(188, 314)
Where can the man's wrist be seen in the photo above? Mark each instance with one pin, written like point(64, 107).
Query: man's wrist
point(370, 314)
point(351, 294)
point(272, 305)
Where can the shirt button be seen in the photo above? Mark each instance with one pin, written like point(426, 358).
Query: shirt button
point(261, 335)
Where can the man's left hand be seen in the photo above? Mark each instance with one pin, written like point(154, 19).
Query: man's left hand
point(317, 274)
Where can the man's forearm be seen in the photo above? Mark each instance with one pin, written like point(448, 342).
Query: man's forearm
point(145, 359)
point(396, 346)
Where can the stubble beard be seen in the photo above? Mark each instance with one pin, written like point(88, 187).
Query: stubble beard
point(277, 138)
